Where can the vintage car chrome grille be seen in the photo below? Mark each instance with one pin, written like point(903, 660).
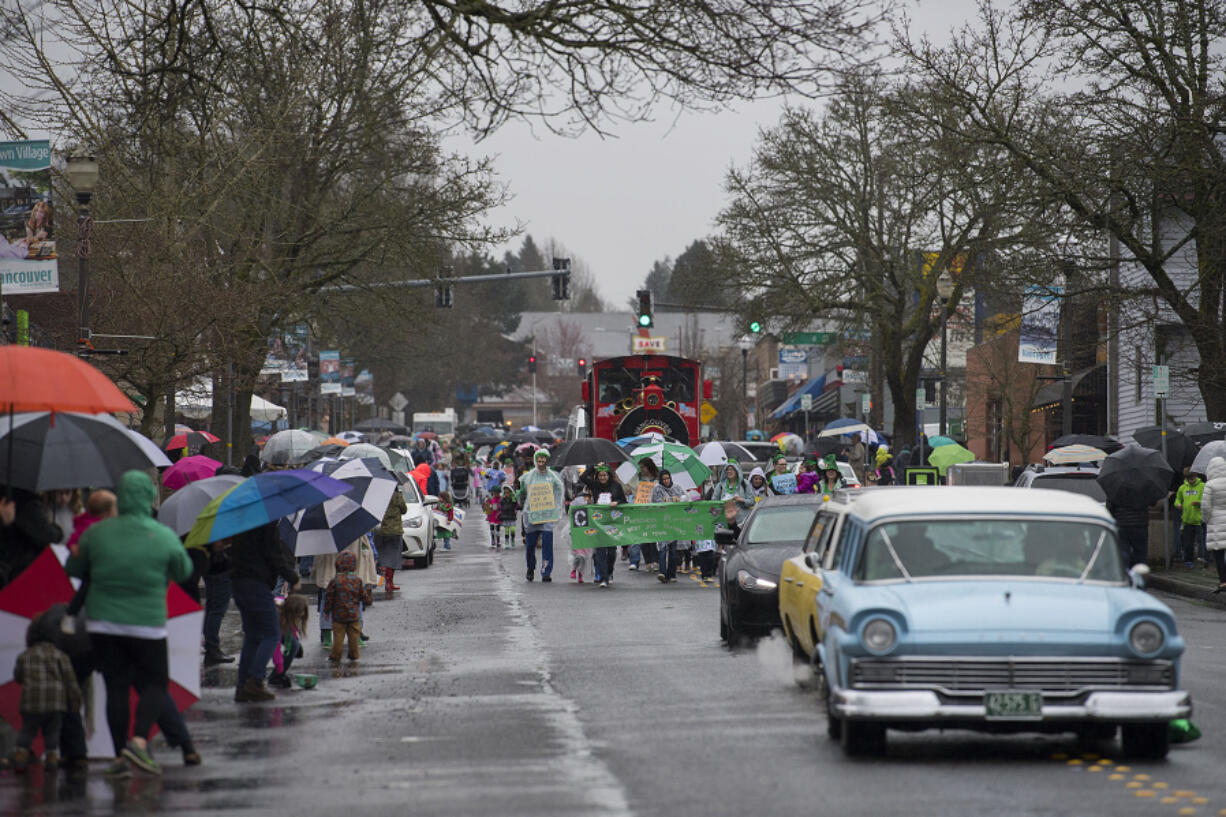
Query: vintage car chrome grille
point(978, 674)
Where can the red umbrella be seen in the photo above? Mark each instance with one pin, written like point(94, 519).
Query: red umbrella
point(189, 469)
point(43, 584)
point(34, 379)
point(189, 439)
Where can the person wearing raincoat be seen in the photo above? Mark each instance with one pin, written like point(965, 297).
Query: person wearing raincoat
point(759, 489)
point(667, 491)
point(539, 522)
point(1213, 512)
point(734, 486)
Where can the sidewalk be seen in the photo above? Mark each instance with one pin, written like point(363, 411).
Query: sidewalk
point(1193, 583)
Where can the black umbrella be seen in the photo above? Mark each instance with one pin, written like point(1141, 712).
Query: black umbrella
point(400, 441)
point(1135, 475)
point(1180, 450)
point(527, 436)
point(379, 424)
point(587, 451)
point(484, 439)
point(1201, 433)
point(1108, 445)
point(824, 446)
point(320, 452)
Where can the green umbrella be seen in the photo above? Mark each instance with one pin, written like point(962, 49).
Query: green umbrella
point(687, 468)
point(948, 455)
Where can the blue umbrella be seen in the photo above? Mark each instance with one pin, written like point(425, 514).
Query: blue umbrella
point(259, 500)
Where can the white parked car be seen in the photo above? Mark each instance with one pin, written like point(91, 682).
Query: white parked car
point(1080, 479)
point(418, 523)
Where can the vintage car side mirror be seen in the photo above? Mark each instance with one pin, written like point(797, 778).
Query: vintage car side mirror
point(1137, 575)
point(430, 500)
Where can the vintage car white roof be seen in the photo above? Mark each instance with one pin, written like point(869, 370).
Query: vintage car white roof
point(891, 501)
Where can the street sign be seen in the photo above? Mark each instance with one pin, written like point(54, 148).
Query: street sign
point(854, 376)
point(648, 345)
point(398, 402)
point(1162, 382)
point(920, 397)
point(806, 402)
point(706, 413)
point(866, 403)
point(793, 355)
point(809, 338)
point(398, 417)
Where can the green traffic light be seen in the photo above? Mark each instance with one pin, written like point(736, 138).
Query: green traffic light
point(755, 327)
point(644, 320)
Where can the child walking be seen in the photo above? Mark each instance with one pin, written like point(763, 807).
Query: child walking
point(507, 516)
point(447, 508)
point(491, 508)
point(49, 691)
point(343, 600)
point(295, 615)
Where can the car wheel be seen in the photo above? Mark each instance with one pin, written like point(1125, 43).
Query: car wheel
point(834, 724)
point(862, 738)
point(733, 636)
point(430, 557)
point(1150, 741)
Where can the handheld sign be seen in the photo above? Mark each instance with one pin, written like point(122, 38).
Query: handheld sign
point(783, 483)
point(642, 494)
point(541, 499)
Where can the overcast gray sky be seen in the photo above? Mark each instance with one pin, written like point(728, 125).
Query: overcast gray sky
point(622, 203)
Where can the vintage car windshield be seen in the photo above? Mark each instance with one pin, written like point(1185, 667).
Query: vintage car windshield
point(1070, 550)
point(780, 525)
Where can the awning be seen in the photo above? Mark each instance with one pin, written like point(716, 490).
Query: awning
point(813, 387)
point(828, 403)
point(1052, 394)
point(196, 401)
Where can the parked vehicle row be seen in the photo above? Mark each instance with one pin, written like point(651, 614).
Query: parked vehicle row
point(978, 608)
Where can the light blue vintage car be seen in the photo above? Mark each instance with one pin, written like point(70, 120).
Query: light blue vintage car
point(991, 609)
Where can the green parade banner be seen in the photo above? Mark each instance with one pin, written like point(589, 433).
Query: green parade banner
point(602, 526)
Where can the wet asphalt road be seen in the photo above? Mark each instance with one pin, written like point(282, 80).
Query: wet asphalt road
point(480, 694)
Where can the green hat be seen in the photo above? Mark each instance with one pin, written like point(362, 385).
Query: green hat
point(778, 455)
point(829, 463)
point(540, 452)
point(603, 467)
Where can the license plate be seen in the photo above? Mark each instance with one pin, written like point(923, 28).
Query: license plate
point(1013, 706)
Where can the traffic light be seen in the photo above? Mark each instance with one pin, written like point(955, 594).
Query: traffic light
point(645, 299)
point(582, 366)
point(531, 364)
point(561, 282)
point(443, 296)
point(755, 327)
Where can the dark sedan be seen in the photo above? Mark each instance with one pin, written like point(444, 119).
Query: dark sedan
point(750, 567)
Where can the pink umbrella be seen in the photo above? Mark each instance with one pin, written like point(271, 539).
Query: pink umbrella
point(189, 469)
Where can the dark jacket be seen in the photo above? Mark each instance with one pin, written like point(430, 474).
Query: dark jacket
point(1129, 516)
point(260, 555)
point(432, 488)
point(22, 542)
point(614, 489)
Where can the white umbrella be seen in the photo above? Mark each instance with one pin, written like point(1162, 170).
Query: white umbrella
point(287, 447)
point(718, 453)
point(363, 450)
point(1074, 453)
point(181, 508)
point(1214, 448)
point(151, 449)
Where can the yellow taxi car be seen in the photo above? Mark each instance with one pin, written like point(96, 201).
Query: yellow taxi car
point(801, 576)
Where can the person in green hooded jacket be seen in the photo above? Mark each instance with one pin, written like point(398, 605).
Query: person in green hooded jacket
point(130, 560)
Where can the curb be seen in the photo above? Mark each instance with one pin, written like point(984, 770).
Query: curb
point(1188, 590)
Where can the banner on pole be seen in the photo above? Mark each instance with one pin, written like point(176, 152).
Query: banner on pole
point(330, 372)
point(1040, 326)
point(348, 378)
point(598, 526)
point(28, 262)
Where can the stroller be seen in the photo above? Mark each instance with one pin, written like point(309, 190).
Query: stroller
point(461, 490)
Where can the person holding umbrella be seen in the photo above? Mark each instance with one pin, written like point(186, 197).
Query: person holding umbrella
point(542, 494)
point(129, 560)
point(257, 558)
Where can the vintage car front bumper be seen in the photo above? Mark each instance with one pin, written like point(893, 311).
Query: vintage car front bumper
point(925, 705)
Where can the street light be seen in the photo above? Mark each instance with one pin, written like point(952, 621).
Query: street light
point(945, 291)
point(745, 343)
point(83, 175)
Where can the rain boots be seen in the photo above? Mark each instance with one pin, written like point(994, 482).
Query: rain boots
point(252, 691)
point(388, 573)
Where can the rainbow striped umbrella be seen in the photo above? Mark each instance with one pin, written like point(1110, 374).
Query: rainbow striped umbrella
point(259, 500)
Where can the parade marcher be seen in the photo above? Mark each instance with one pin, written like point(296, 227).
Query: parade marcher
point(758, 487)
point(667, 491)
point(257, 558)
point(493, 516)
point(606, 491)
point(508, 512)
point(1188, 502)
point(447, 509)
point(832, 479)
point(782, 480)
point(49, 692)
point(1213, 512)
point(294, 617)
point(648, 473)
point(344, 598)
point(26, 530)
point(129, 560)
point(389, 539)
point(733, 486)
point(580, 558)
point(542, 494)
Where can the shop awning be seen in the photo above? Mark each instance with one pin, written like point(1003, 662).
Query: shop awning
point(1052, 393)
point(813, 387)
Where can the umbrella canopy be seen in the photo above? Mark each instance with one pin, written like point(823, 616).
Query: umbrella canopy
point(322, 452)
point(844, 425)
point(259, 500)
point(1066, 454)
point(379, 424)
point(36, 379)
point(286, 447)
point(824, 446)
point(350, 437)
point(317, 434)
point(41, 451)
point(947, 455)
point(1180, 450)
point(643, 439)
point(789, 443)
point(1201, 433)
point(686, 467)
point(1135, 475)
point(364, 450)
point(156, 455)
point(754, 435)
point(526, 448)
point(500, 449)
point(189, 469)
point(1108, 445)
point(190, 439)
point(718, 453)
point(181, 508)
point(425, 435)
point(537, 436)
point(335, 441)
point(586, 451)
point(401, 460)
point(401, 441)
point(334, 525)
point(939, 441)
point(1214, 448)
point(484, 439)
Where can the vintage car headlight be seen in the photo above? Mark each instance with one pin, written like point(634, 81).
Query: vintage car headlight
point(414, 521)
point(879, 635)
point(1146, 638)
point(749, 581)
